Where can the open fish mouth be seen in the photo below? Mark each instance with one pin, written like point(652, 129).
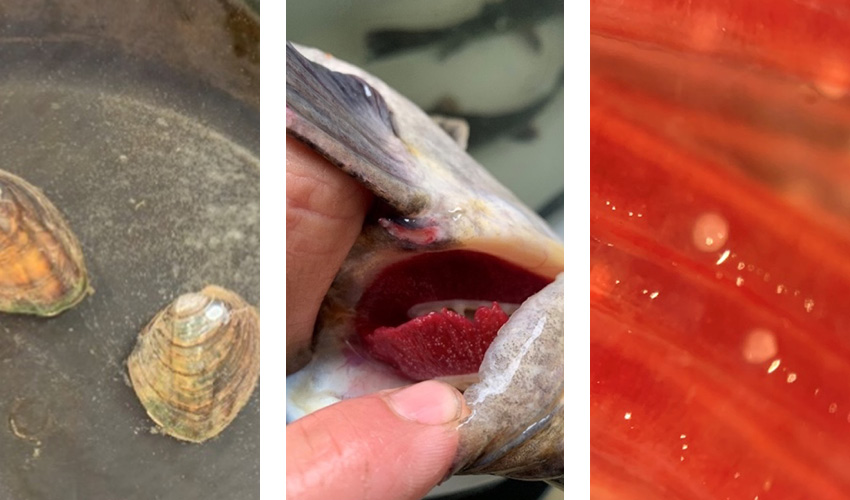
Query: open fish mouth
point(451, 277)
point(435, 314)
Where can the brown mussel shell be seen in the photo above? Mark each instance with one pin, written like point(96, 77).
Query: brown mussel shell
point(41, 262)
point(197, 362)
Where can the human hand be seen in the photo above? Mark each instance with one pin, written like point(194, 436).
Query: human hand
point(394, 445)
point(324, 213)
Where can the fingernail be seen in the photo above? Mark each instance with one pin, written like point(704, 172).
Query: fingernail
point(429, 403)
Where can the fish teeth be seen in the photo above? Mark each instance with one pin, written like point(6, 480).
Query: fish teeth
point(463, 307)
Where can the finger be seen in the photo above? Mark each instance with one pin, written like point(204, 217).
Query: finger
point(324, 214)
point(391, 446)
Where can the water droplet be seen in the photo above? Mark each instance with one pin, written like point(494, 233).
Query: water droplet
point(759, 346)
point(631, 213)
point(780, 289)
point(645, 291)
point(773, 366)
point(457, 213)
point(723, 257)
point(607, 202)
point(628, 416)
point(684, 447)
point(640, 215)
point(682, 436)
point(833, 407)
point(809, 304)
point(613, 208)
point(710, 232)
point(741, 266)
point(653, 295)
point(791, 378)
point(739, 281)
point(616, 282)
point(737, 475)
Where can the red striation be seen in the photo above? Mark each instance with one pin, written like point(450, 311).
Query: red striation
point(807, 39)
point(437, 344)
point(723, 373)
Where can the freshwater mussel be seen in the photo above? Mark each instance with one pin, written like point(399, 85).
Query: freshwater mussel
point(196, 364)
point(41, 262)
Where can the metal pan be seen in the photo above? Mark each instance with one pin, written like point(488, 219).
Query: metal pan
point(140, 121)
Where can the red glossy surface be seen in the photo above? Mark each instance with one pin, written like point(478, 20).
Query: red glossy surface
point(804, 38)
point(719, 369)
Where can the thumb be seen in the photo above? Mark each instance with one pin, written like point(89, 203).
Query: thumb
point(394, 445)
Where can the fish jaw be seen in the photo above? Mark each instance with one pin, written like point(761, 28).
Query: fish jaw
point(516, 428)
point(341, 367)
point(516, 425)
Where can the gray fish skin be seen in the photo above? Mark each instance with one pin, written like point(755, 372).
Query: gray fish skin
point(522, 374)
point(439, 199)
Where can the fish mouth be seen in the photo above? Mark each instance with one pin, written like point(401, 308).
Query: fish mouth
point(435, 314)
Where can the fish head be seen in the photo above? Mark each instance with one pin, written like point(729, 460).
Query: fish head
point(450, 278)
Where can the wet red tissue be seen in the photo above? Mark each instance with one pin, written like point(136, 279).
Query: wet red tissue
point(720, 254)
point(438, 344)
point(807, 39)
